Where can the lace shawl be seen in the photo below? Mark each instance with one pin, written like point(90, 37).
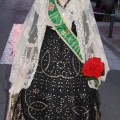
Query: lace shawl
point(89, 36)
point(28, 50)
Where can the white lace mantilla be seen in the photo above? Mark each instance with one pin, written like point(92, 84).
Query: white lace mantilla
point(28, 50)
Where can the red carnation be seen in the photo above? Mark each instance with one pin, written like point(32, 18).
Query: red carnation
point(93, 67)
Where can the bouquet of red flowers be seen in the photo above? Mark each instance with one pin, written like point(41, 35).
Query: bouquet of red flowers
point(92, 69)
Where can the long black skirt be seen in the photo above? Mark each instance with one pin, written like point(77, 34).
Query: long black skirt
point(58, 91)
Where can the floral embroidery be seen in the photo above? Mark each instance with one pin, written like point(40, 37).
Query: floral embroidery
point(51, 7)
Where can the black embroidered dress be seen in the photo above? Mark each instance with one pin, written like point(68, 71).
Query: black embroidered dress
point(58, 91)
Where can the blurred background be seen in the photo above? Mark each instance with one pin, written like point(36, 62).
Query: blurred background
point(107, 7)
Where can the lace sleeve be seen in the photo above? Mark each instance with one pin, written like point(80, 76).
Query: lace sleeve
point(94, 43)
point(88, 34)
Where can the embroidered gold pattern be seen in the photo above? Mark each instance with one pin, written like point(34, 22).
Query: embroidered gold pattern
point(58, 91)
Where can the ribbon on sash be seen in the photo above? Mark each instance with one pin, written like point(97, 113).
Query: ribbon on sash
point(62, 30)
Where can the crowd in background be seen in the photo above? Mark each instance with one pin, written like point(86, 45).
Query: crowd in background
point(104, 6)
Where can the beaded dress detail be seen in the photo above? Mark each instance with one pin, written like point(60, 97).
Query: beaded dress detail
point(57, 92)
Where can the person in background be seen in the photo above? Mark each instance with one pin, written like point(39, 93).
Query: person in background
point(98, 2)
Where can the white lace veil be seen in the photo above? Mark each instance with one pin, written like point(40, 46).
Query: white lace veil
point(30, 41)
point(28, 47)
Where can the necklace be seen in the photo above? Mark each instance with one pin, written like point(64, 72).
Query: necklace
point(58, 2)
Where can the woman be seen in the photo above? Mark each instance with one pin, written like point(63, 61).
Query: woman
point(46, 77)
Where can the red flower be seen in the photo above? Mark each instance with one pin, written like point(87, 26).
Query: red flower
point(93, 67)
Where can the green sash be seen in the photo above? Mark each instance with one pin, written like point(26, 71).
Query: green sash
point(61, 28)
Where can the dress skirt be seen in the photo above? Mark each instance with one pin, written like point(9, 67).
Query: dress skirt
point(58, 91)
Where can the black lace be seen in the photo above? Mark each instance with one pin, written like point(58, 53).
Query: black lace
point(58, 2)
